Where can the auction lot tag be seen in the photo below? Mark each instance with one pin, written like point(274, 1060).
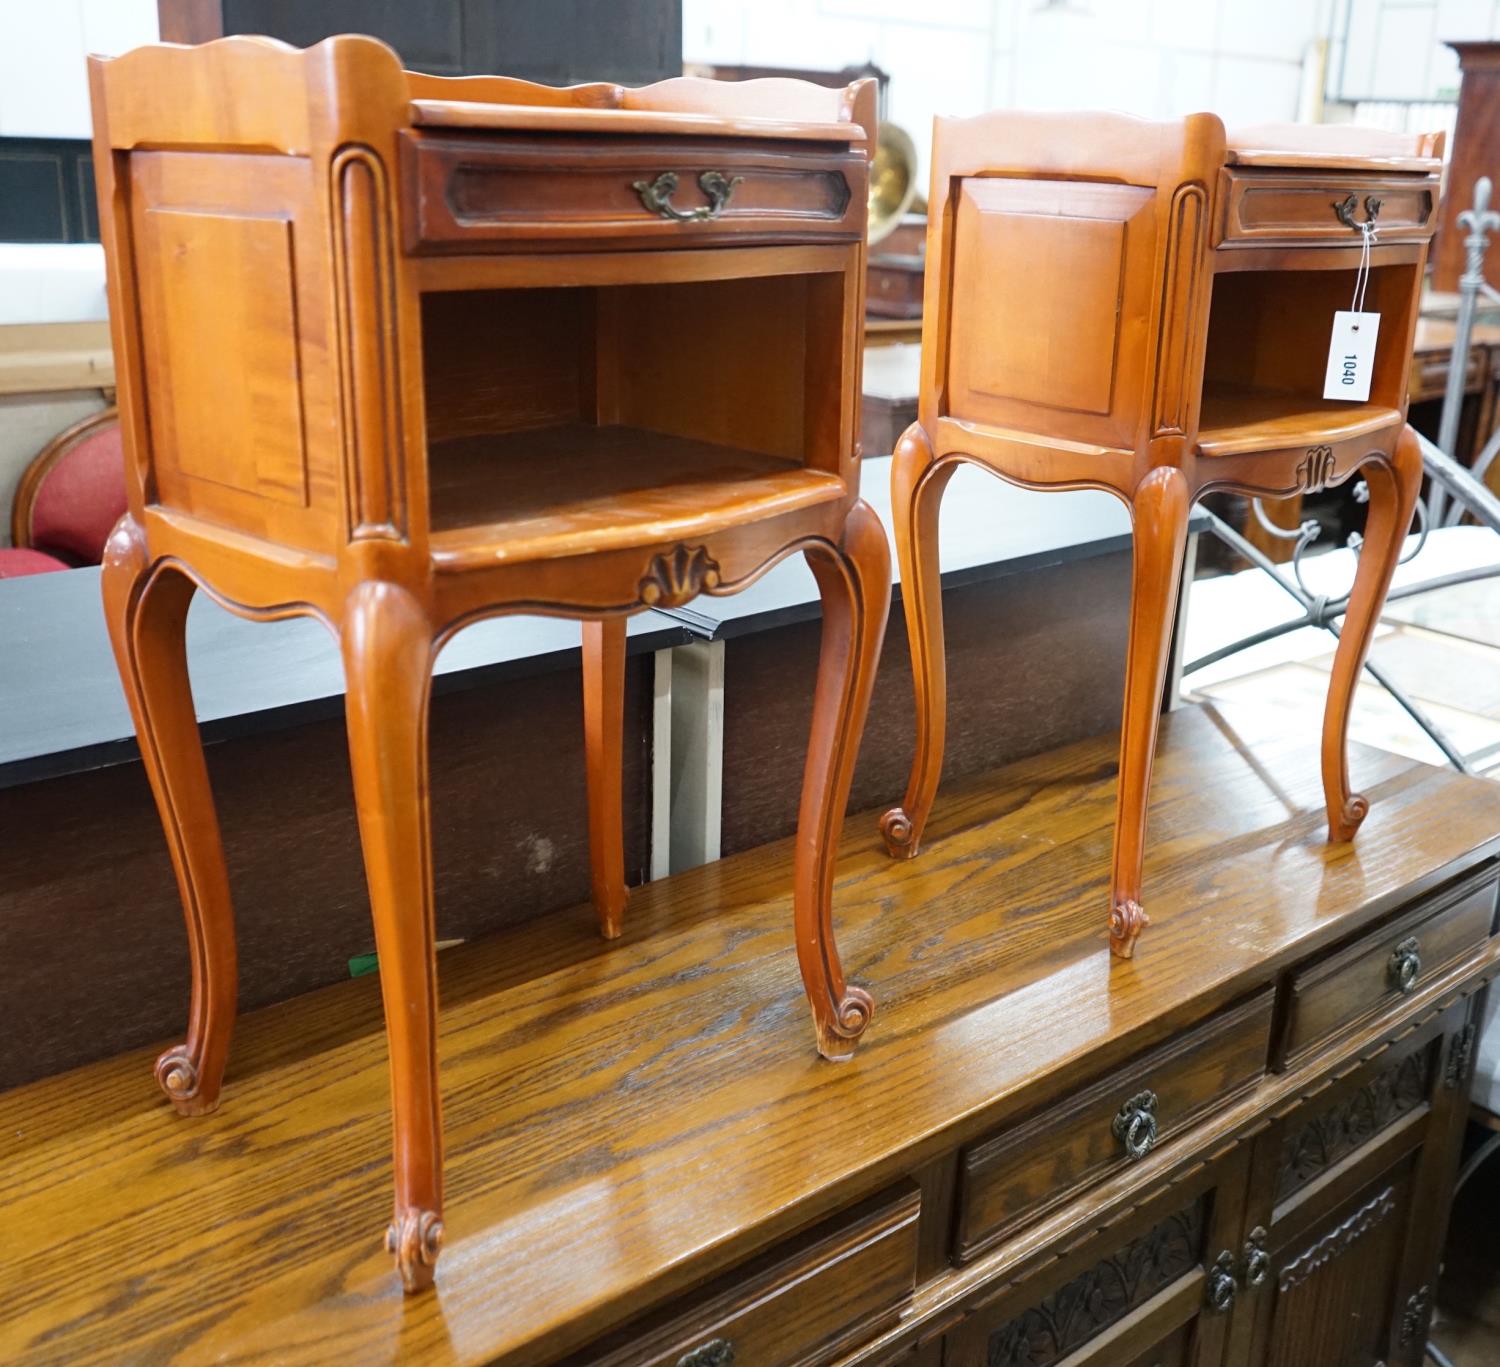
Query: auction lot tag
point(1351, 356)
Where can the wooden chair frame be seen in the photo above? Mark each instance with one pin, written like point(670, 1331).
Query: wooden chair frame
point(36, 472)
point(1129, 224)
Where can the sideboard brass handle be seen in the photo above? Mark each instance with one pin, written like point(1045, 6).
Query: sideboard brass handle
point(1135, 1125)
point(1257, 1260)
point(657, 194)
point(1218, 1290)
point(1405, 965)
point(714, 1353)
point(1346, 208)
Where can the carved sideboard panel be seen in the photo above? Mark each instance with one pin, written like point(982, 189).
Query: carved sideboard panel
point(1314, 1146)
point(1106, 1293)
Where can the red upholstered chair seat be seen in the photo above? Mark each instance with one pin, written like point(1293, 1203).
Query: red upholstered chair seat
point(16, 561)
point(80, 497)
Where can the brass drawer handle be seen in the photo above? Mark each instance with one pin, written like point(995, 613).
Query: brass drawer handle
point(1219, 1289)
point(657, 194)
point(1257, 1260)
point(1405, 965)
point(714, 1353)
point(1135, 1125)
point(1346, 208)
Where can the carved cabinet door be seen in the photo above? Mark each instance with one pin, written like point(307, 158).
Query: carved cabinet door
point(1156, 1288)
point(1348, 1209)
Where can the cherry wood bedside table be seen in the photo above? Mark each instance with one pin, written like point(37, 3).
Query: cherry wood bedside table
point(402, 352)
point(1149, 309)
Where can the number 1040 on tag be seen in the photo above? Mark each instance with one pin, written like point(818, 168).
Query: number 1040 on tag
point(1351, 356)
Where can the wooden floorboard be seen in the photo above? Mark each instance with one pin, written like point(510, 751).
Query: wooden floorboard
point(616, 1110)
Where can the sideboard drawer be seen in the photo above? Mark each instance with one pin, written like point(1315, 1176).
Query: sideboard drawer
point(1308, 207)
point(467, 193)
point(1353, 983)
point(1013, 1177)
point(804, 1303)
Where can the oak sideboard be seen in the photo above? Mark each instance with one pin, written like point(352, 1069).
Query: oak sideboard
point(1235, 1149)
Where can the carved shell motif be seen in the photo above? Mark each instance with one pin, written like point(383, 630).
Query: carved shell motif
point(1315, 469)
point(679, 574)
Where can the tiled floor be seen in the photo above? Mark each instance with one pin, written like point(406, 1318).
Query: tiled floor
point(1443, 649)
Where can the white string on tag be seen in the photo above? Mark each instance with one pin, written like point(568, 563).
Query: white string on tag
point(1362, 275)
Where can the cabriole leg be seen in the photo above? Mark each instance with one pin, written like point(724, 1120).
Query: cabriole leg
point(387, 649)
point(916, 495)
point(1160, 509)
point(854, 581)
point(603, 729)
point(1394, 489)
point(147, 615)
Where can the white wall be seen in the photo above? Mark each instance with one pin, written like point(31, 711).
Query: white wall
point(1396, 49)
point(43, 82)
point(1242, 59)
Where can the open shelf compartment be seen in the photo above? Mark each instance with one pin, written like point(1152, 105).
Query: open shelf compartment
point(1268, 338)
point(570, 419)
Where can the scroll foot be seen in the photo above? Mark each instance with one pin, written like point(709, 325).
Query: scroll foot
point(899, 835)
point(1349, 819)
point(836, 1041)
point(415, 1241)
point(1127, 918)
point(177, 1075)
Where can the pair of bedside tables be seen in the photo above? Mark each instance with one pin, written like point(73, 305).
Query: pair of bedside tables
point(401, 352)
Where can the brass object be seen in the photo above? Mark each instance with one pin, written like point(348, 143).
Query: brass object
point(657, 194)
point(1219, 1287)
point(1347, 207)
point(1257, 1260)
point(714, 1353)
point(893, 179)
point(1135, 1125)
point(1405, 965)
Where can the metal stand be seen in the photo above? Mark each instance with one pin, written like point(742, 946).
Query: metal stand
point(1480, 221)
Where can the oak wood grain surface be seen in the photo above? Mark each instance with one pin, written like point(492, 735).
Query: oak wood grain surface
point(624, 1117)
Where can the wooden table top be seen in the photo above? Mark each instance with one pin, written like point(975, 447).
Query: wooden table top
point(616, 1112)
point(477, 114)
point(1436, 334)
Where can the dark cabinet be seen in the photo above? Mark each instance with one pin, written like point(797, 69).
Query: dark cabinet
point(1349, 1201)
point(556, 42)
point(1315, 1241)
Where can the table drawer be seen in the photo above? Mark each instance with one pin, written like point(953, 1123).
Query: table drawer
point(479, 193)
point(806, 1302)
point(893, 286)
point(1429, 374)
point(1375, 972)
point(1257, 207)
point(1010, 1179)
